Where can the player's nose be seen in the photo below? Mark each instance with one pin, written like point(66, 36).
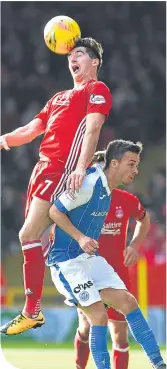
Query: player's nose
point(136, 171)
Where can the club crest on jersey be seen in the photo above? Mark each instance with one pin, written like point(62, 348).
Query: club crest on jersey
point(61, 99)
point(97, 99)
point(119, 212)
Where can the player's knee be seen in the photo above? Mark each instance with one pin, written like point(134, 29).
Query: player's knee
point(100, 318)
point(84, 330)
point(84, 326)
point(129, 303)
point(27, 234)
point(24, 235)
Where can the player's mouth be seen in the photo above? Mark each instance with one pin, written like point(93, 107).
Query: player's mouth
point(75, 68)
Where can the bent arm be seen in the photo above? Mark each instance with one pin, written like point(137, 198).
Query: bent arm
point(25, 134)
point(140, 232)
point(94, 122)
point(62, 220)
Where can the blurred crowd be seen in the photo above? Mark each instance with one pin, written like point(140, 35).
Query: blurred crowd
point(133, 37)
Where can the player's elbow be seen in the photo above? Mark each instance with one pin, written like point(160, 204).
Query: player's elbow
point(146, 221)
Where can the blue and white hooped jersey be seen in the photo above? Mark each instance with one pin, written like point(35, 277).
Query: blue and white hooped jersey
point(87, 211)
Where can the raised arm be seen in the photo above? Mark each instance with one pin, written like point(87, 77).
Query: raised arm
point(94, 122)
point(22, 135)
point(140, 233)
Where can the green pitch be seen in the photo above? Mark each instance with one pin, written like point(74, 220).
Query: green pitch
point(61, 359)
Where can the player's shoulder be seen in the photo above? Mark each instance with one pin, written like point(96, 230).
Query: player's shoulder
point(99, 85)
point(124, 195)
point(92, 175)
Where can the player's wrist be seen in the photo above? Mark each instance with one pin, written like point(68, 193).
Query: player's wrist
point(135, 245)
point(80, 170)
point(79, 237)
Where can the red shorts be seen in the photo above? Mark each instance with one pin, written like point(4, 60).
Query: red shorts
point(47, 182)
point(124, 275)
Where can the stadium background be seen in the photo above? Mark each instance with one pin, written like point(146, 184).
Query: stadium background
point(133, 37)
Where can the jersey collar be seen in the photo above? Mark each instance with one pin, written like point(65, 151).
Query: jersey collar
point(103, 178)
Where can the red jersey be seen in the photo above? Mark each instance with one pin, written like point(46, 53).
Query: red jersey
point(65, 118)
point(113, 237)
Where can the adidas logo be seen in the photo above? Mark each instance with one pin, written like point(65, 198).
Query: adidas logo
point(28, 292)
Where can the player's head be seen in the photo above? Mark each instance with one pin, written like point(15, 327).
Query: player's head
point(85, 59)
point(99, 157)
point(122, 159)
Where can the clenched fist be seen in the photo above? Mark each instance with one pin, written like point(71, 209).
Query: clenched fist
point(3, 144)
point(89, 245)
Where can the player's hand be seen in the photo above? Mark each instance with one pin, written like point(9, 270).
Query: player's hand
point(74, 181)
point(89, 245)
point(3, 144)
point(130, 256)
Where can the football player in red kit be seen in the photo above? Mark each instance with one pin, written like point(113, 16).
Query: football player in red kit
point(112, 246)
point(71, 122)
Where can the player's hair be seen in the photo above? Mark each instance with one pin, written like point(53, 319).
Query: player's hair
point(98, 157)
point(117, 148)
point(93, 48)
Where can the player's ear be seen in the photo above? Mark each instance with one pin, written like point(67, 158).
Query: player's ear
point(95, 62)
point(114, 163)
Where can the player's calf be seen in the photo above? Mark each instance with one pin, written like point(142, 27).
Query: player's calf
point(81, 342)
point(98, 318)
point(120, 345)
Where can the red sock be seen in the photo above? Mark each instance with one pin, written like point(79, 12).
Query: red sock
point(81, 348)
point(121, 357)
point(33, 273)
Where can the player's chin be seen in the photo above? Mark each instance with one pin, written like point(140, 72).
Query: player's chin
point(127, 181)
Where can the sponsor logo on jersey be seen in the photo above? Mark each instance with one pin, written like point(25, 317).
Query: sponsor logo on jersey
point(114, 232)
point(119, 212)
point(62, 100)
point(83, 286)
point(99, 214)
point(97, 99)
point(112, 228)
point(84, 296)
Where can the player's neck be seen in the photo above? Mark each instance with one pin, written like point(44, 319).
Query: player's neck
point(78, 84)
point(111, 179)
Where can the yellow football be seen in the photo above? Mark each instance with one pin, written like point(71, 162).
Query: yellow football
point(61, 33)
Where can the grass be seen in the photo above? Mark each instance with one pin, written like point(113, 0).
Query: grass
point(61, 358)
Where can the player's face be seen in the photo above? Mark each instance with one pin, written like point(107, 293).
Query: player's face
point(81, 65)
point(127, 168)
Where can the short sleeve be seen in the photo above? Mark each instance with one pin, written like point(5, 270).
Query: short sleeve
point(43, 114)
point(66, 202)
point(138, 210)
point(99, 99)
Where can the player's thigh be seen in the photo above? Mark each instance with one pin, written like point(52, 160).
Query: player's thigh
point(113, 314)
point(84, 324)
point(95, 313)
point(107, 278)
point(47, 182)
point(72, 279)
point(118, 331)
point(120, 299)
point(37, 220)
